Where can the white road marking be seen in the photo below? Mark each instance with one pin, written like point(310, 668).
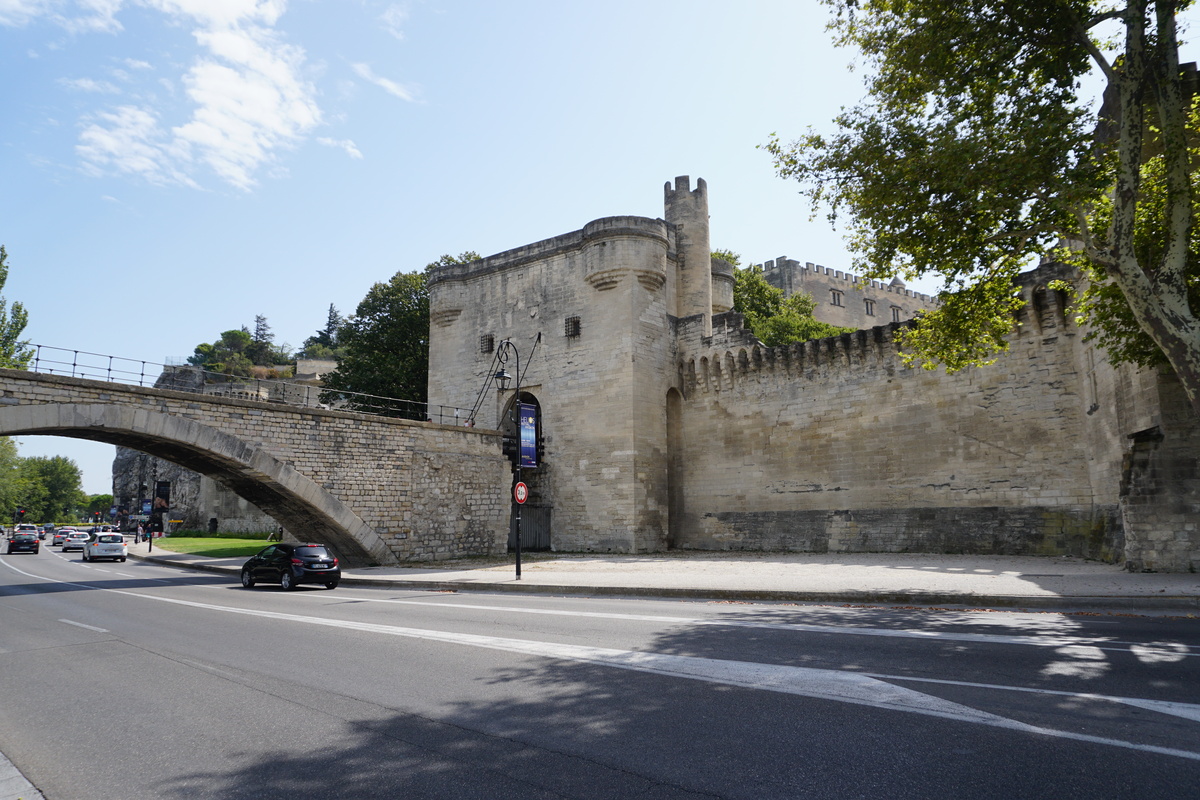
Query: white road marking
point(81, 625)
point(847, 687)
point(1186, 710)
point(1054, 640)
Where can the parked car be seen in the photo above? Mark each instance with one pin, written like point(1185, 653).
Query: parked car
point(24, 542)
point(104, 545)
point(293, 564)
point(75, 540)
point(60, 535)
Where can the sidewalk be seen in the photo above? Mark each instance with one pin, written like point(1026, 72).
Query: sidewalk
point(1017, 582)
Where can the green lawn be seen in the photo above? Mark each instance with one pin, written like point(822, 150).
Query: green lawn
point(212, 547)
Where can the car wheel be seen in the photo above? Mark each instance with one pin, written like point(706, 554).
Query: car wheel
point(84, 556)
point(122, 560)
point(331, 584)
point(287, 581)
point(247, 579)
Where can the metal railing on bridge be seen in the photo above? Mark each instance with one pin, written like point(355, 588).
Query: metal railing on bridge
point(186, 378)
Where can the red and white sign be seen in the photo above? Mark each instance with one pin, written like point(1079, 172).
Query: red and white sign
point(521, 492)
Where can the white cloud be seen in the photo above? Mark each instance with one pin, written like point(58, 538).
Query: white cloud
point(99, 16)
point(249, 100)
point(345, 144)
point(15, 13)
point(128, 140)
point(223, 13)
point(89, 85)
point(389, 86)
point(393, 20)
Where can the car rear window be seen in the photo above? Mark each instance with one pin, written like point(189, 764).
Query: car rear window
point(25, 537)
point(313, 552)
point(110, 538)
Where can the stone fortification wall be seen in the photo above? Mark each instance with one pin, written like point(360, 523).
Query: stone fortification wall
point(588, 313)
point(845, 299)
point(834, 445)
point(427, 491)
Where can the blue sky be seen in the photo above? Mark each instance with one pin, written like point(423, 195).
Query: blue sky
point(171, 168)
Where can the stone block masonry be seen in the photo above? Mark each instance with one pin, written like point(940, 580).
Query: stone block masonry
point(667, 424)
point(381, 490)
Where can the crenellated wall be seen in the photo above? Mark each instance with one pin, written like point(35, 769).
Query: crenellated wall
point(846, 299)
point(835, 445)
point(668, 424)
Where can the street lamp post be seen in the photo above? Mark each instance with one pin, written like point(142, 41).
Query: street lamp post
point(502, 378)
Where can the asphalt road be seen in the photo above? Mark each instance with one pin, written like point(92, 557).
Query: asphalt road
point(137, 680)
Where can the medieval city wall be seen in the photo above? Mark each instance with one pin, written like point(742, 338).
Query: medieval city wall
point(836, 446)
point(586, 312)
point(846, 299)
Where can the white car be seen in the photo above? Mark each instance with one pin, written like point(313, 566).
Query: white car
point(104, 545)
point(60, 535)
point(74, 540)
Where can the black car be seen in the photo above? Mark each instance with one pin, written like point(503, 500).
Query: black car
point(293, 564)
point(24, 543)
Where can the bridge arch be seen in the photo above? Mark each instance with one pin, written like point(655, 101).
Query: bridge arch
point(299, 504)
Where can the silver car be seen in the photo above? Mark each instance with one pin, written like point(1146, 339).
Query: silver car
point(74, 540)
point(104, 545)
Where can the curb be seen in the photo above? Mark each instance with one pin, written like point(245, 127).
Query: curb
point(1174, 605)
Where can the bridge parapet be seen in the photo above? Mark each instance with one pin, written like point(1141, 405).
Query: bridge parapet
point(61, 361)
point(381, 490)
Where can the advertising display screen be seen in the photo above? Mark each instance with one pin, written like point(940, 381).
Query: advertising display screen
point(528, 418)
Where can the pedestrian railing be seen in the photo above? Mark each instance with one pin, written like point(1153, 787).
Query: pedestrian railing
point(49, 360)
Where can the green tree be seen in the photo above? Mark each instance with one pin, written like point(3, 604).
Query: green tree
point(385, 343)
point(101, 503)
point(15, 353)
point(976, 152)
point(50, 488)
point(10, 491)
point(772, 317)
point(324, 344)
point(238, 351)
point(260, 351)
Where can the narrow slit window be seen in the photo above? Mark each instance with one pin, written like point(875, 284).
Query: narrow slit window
point(572, 327)
point(487, 343)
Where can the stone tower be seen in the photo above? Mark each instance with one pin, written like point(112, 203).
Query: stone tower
point(593, 315)
point(687, 211)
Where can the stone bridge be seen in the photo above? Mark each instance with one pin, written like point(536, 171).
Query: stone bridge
point(379, 490)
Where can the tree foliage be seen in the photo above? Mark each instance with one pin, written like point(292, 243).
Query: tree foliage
point(49, 488)
point(238, 352)
point(772, 317)
point(976, 153)
point(324, 344)
point(385, 343)
point(15, 353)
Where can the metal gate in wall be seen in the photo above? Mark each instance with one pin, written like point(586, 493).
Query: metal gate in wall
point(535, 528)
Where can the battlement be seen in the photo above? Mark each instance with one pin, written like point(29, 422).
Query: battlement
point(682, 193)
point(732, 356)
point(783, 263)
point(605, 227)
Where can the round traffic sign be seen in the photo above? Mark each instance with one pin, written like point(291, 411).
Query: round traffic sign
point(521, 492)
